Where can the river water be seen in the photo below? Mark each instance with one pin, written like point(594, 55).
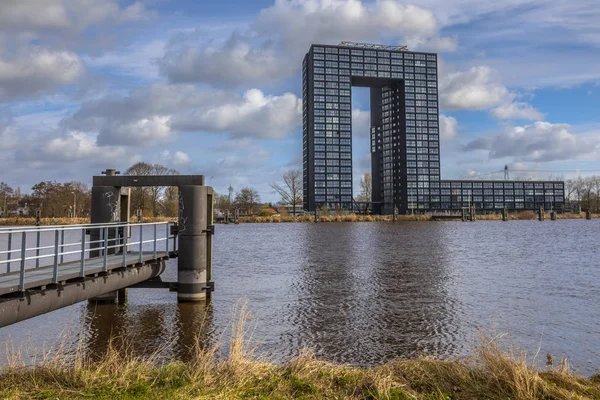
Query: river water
point(367, 293)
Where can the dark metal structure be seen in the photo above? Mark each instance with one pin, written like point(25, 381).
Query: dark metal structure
point(195, 223)
point(405, 146)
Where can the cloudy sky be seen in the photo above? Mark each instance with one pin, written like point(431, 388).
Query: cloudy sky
point(212, 87)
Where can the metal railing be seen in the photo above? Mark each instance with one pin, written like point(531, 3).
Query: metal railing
point(110, 238)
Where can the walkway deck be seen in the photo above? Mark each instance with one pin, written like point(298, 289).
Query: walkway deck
point(37, 277)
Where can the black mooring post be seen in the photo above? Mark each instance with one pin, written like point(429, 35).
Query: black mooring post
point(195, 243)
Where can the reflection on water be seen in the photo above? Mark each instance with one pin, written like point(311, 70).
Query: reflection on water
point(365, 293)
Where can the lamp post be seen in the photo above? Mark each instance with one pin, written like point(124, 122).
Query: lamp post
point(74, 204)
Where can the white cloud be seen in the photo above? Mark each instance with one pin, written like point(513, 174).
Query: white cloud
point(540, 141)
point(432, 44)
point(149, 115)
point(273, 47)
point(448, 127)
point(361, 123)
point(516, 110)
point(479, 89)
point(8, 132)
point(253, 114)
point(234, 63)
point(475, 89)
point(141, 132)
point(303, 22)
point(180, 158)
point(41, 150)
point(34, 70)
point(65, 15)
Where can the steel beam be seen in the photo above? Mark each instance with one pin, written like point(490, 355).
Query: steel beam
point(37, 302)
point(148, 180)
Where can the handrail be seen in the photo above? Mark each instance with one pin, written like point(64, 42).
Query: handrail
point(102, 244)
point(75, 227)
point(34, 227)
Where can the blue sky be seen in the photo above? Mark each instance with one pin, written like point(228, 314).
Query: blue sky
point(214, 87)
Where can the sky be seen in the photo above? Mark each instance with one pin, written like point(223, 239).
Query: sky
point(214, 87)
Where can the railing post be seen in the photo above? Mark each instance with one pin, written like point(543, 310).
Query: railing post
point(23, 252)
point(62, 247)
point(82, 270)
point(167, 239)
point(117, 237)
point(8, 256)
point(104, 266)
point(37, 251)
point(155, 241)
point(55, 270)
point(125, 247)
point(141, 244)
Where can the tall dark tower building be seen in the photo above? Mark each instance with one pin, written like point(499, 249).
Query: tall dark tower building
point(405, 146)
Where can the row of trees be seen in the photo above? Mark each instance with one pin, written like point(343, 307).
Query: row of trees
point(583, 192)
point(59, 200)
point(51, 198)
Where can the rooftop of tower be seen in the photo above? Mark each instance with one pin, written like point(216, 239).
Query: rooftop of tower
point(373, 46)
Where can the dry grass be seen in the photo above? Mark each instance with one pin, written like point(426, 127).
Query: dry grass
point(489, 373)
point(524, 215)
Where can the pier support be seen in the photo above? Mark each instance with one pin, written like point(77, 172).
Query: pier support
point(552, 215)
point(588, 214)
point(106, 298)
point(541, 214)
point(194, 265)
point(504, 214)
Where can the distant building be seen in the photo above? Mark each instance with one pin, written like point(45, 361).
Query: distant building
point(405, 146)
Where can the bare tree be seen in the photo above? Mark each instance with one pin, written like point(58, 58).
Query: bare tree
point(291, 192)
point(366, 189)
point(247, 199)
point(152, 194)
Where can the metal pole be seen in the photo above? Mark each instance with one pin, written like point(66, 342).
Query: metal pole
point(23, 252)
point(104, 267)
point(155, 241)
point(167, 239)
point(125, 247)
point(8, 256)
point(82, 270)
point(117, 239)
point(141, 236)
point(62, 247)
point(37, 251)
point(55, 271)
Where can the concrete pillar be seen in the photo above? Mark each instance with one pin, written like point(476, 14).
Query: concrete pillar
point(110, 297)
point(122, 296)
point(105, 208)
point(195, 222)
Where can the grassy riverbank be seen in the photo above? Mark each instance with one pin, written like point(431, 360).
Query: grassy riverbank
point(489, 373)
point(521, 216)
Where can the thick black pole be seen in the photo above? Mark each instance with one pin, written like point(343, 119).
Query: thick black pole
point(194, 254)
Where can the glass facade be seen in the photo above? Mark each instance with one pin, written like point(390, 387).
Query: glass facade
point(405, 147)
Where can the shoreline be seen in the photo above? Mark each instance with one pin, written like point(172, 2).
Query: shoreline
point(521, 216)
point(489, 372)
